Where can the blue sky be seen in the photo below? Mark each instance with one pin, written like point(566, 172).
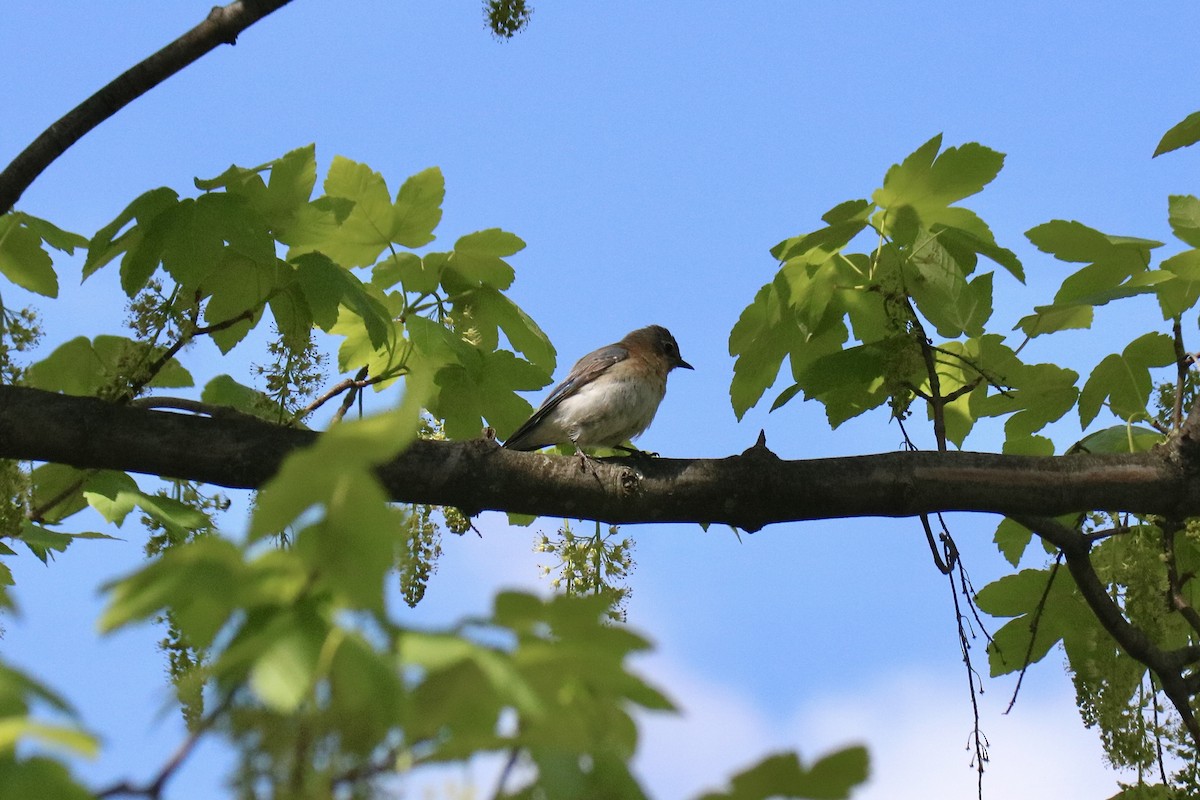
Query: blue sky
point(649, 155)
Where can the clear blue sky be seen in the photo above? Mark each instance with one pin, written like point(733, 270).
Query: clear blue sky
point(649, 154)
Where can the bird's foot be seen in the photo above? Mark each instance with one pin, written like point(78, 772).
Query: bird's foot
point(587, 463)
point(635, 452)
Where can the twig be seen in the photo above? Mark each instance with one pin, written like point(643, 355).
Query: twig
point(154, 788)
point(993, 382)
point(358, 381)
point(1174, 585)
point(184, 404)
point(1182, 362)
point(1158, 748)
point(979, 742)
point(513, 754)
point(1167, 665)
point(942, 566)
point(1034, 623)
point(182, 342)
point(222, 26)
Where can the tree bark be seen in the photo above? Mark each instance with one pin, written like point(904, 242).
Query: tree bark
point(748, 491)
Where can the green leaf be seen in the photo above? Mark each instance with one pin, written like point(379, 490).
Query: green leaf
point(59, 485)
point(965, 235)
point(113, 239)
point(1183, 134)
point(845, 222)
point(408, 269)
point(1053, 318)
point(293, 176)
point(342, 455)
point(22, 258)
point(760, 340)
point(927, 183)
point(366, 230)
point(418, 209)
point(483, 385)
point(40, 777)
point(1060, 612)
point(847, 382)
point(284, 671)
point(51, 234)
point(72, 369)
point(115, 494)
point(293, 317)
point(225, 391)
point(239, 286)
point(1071, 241)
point(1011, 539)
point(1124, 380)
point(1183, 213)
point(13, 730)
point(83, 368)
point(942, 294)
point(1179, 295)
point(485, 311)
point(478, 259)
point(19, 692)
point(1038, 394)
point(326, 286)
point(201, 581)
point(1119, 439)
point(191, 242)
point(44, 543)
point(782, 775)
point(387, 363)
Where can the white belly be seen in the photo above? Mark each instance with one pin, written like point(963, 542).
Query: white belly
point(606, 413)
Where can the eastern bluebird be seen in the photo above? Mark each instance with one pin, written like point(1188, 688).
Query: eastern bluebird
point(609, 397)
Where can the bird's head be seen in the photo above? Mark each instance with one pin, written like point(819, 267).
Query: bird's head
point(658, 341)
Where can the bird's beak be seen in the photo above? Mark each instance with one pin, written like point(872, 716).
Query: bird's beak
point(684, 364)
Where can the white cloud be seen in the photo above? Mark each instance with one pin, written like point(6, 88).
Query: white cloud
point(916, 726)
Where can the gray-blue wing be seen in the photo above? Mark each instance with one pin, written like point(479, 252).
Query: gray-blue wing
point(586, 370)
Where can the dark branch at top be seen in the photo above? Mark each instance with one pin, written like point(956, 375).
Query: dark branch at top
point(222, 26)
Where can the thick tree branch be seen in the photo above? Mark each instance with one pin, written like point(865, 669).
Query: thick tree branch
point(222, 26)
point(749, 490)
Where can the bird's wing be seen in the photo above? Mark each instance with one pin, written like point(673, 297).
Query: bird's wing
point(586, 370)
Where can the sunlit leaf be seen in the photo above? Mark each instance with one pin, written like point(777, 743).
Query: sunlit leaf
point(1182, 134)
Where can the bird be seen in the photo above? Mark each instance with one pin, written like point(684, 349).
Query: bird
point(609, 397)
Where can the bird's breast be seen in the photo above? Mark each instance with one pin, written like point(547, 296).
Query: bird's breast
point(609, 411)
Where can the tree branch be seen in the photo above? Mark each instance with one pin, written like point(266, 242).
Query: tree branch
point(748, 491)
point(222, 26)
point(1167, 665)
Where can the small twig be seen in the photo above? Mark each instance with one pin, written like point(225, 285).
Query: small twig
point(183, 341)
point(1174, 585)
point(154, 788)
point(1034, 622)
point(355, 391)
point(942, 566)
point(1158, 749)
point(222, 26)
point(979, 742)
point(993, 382)
point(1182, 362)
point(353, 385)
point(509, 765)
point(184, 404)
point(966, 388)
point(38, 514)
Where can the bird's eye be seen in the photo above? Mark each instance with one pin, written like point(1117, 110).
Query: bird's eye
point(671, 349)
